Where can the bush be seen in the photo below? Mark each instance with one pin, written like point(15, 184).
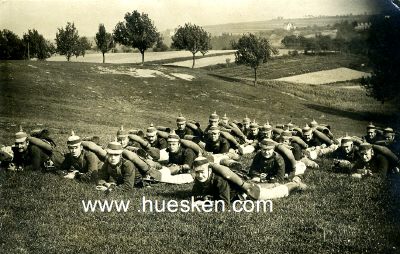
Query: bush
point(293, 53)
point(160, 48)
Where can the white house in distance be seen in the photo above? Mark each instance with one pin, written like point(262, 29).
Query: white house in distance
point(289, 26)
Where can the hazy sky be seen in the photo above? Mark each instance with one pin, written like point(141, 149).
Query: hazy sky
point(48, 15)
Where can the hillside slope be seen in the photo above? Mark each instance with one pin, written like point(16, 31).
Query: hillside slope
point(43, 213)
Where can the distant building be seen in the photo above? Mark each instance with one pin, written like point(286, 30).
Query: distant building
point(289, 26)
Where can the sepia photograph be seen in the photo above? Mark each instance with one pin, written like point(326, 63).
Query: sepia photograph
point(200, 126)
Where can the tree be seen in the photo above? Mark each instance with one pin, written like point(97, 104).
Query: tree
point(160, 45)
point(193, 38)
point(52, 49)
point(36, 45)
point(325, 42)
point(66, 40)
point(345, 30)
point(104, 41)
point(290, 41)
point(137, 31)
point(81, 46)
point(11, 46)
point(253, 51)
point(384, 56)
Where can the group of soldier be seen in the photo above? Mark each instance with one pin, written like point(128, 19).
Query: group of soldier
point(212, 158)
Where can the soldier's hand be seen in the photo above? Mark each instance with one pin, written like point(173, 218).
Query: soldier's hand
point(343, 163)
point(174, 168)
point(109, 185)
point(361, 171)
point(71, 175)
point(368, 172)
point(256, 179)
point(185, 168)
point(11, 167)
point(101, 187)
point(356, 175)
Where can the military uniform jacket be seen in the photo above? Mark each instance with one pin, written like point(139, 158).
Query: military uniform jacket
point(259, 137)
point(122, 174)
point(394, 146)
point(378, 137)
point(215, 188)
point(186, 131)
point(160, 143)
point(206, 134)
point(86, 163)
point(32, 159)
point(182, 157)
point(341, 155)
point(256, 139)
point(378, 165)
point(313, 142)
point(297, 151)
point(245, 131)
point(273, 167)
point(220, 146)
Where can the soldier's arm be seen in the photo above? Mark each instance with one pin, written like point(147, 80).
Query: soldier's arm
point(103, 175)
point(223, 191)
point(225, 146)
point(254, 167)
point(382, 165)
point(36, 158)
point(255, 143)
point(128, 170)
point(153, 152)
point(343, 166)
point(163, 143)
point(197, 192)
point(280, 173)
point(66, 164)
point(297, 152)
point(189, 157)
point(92, 164)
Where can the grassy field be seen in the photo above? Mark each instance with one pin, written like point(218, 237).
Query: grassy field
point(136, 57)
point(290, 66)
point(42, 213)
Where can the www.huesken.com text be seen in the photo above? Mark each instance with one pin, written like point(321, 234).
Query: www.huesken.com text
point(173, 206)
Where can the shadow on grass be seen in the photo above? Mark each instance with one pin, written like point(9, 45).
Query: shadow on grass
point(359, 116)
point(225, 78)
point(176, 194)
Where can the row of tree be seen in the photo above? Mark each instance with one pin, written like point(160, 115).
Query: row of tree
point(69, 42)
point(136, 31)
point(321, 43)
point(34, 45)
point(347, 39)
